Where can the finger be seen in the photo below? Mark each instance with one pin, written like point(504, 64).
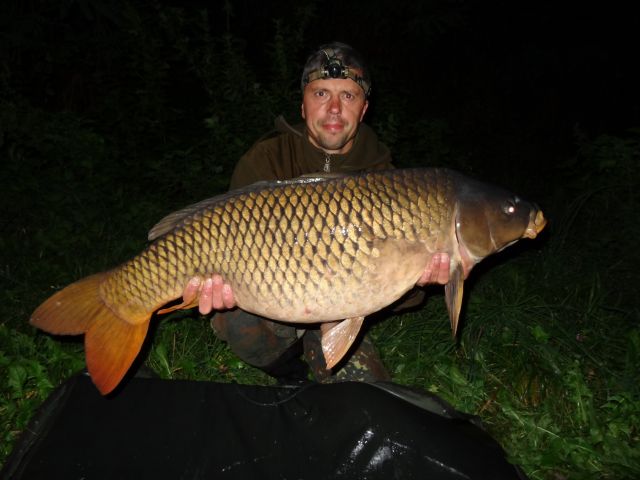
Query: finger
point(428, 272)
point(443, 270)
point(216, 292)
point(191, 290)
point(436, 271)
point(425, 277)
point(228, 299)
point(205, 305)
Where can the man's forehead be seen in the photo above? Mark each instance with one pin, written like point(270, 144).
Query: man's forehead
point(338, 84)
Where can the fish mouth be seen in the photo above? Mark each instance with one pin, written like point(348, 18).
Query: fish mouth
point(537, 223)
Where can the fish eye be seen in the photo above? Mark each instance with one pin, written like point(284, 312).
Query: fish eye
point(509, 207)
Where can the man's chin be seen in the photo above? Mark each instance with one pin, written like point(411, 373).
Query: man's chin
point(333, 144)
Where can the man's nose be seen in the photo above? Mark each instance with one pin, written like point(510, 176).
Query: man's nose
point(335, 106)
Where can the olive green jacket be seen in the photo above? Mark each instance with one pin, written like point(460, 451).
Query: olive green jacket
point(287, 153)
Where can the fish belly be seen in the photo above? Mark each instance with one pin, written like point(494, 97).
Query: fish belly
point(327, 295)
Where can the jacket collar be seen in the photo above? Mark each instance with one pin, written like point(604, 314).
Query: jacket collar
point(367, 150)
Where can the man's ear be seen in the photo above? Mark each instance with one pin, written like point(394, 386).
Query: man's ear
point(364, 109)
point(302, 111)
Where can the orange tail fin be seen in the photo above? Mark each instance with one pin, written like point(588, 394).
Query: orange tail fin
point(111, 342)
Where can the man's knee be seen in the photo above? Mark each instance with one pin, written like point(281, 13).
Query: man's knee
point(256, 340)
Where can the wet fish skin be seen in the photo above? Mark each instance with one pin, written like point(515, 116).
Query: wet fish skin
point(303, 251)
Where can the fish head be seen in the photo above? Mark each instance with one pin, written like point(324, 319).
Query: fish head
point(489, 219)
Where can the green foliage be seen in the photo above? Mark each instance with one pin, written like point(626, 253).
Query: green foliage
point(612, 156)
point(31, 367)
point(542, 374)
point(284, 54)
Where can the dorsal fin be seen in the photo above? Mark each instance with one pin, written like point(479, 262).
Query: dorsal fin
point(169, 222)
point(317, 177)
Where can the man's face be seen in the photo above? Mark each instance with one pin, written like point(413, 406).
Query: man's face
point(332, 109)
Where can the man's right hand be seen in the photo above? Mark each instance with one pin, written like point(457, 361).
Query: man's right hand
point(212, 294)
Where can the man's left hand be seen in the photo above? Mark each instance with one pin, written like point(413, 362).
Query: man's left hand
point(436, 271)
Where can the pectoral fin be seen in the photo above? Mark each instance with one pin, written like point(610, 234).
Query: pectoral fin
point(338, 337)
point(453, 296)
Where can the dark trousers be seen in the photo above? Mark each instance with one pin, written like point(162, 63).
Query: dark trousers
point(274, 347)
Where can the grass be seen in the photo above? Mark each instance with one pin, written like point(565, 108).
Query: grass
point(552, 381)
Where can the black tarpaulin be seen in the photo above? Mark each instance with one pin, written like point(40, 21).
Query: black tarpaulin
point(159, 429)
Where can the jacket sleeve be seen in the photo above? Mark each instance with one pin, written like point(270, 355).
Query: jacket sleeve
point(412, 299)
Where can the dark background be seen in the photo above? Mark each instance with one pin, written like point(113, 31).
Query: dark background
point(505, 76)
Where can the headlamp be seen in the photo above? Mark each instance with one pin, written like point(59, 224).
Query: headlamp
point(333, 67)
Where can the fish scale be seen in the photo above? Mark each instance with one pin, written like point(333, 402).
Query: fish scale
point(319, 235)
point(309, 250)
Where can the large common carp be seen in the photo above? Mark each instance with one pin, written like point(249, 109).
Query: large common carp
point(309, 250)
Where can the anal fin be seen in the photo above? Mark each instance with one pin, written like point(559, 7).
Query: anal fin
point(338, 337)
point(181, 306)
point(190, 299)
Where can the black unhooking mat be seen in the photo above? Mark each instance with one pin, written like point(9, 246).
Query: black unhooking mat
point(159, 429)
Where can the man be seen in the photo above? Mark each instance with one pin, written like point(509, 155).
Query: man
point(335, 96)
